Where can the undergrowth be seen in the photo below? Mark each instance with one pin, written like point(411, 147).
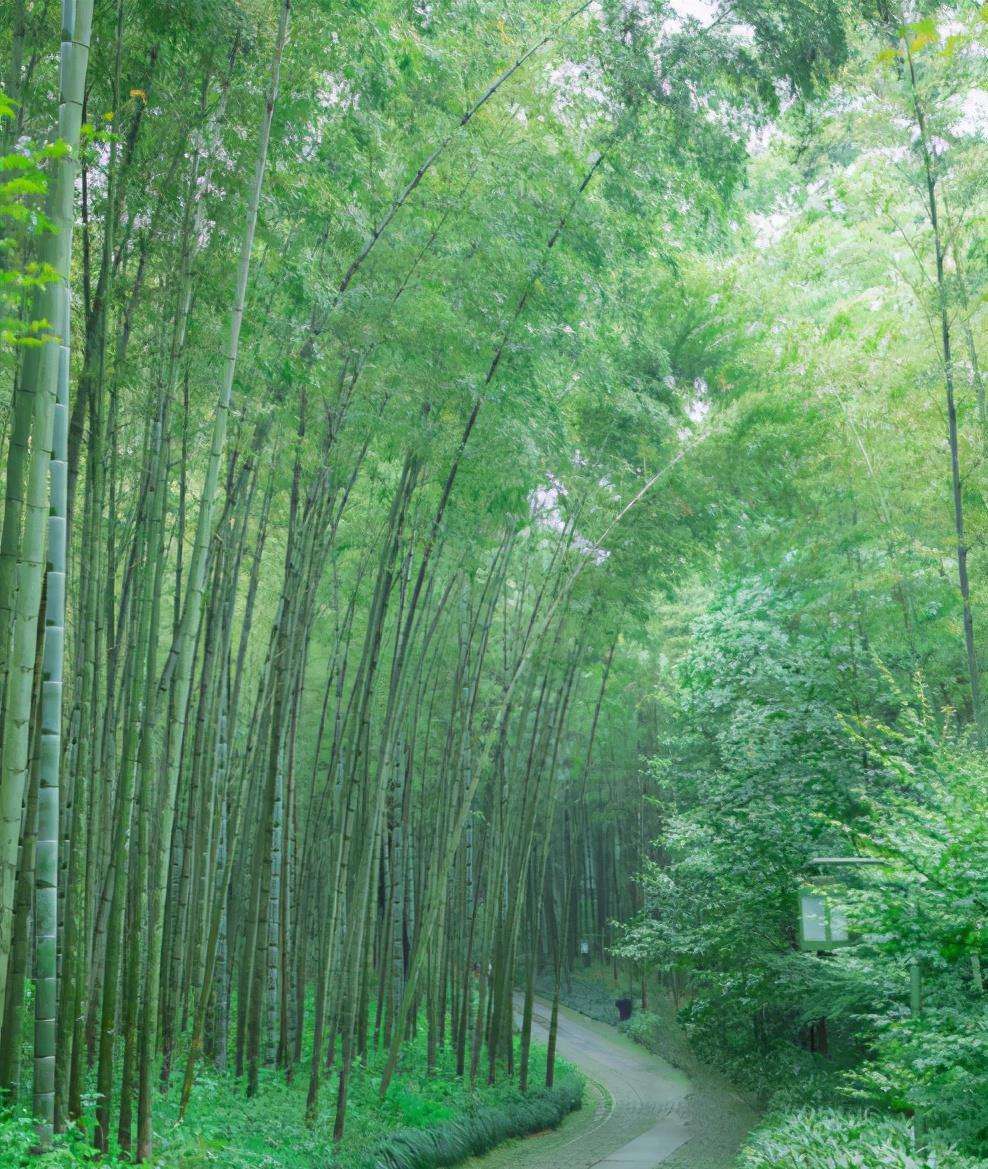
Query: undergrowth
point(424, 1121)
point(831, 1138)
point(476, 1133)
point(594, 992)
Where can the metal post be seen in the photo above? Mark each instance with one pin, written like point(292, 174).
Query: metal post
point(915, 1009)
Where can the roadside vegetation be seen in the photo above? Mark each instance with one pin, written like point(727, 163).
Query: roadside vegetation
point(818, 685)
point(430, 1119)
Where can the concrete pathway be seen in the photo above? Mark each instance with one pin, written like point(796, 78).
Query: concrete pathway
point(633, 1115)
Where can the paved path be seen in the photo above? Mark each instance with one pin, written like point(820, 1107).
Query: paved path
point(633, 1114)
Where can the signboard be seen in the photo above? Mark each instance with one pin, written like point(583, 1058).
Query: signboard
point(822, 926)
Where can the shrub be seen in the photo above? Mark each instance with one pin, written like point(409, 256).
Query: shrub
point(828, 1138)
point(476, 1133)
point(69, 1151)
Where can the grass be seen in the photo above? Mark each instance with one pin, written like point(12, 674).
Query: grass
point(796, 1134)
point(831, 1138)
point(718, 1117)
point(479, 1131)
point(593, 992)
point(424, 1121)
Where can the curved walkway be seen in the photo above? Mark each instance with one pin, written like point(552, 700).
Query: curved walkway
point(634, 1113)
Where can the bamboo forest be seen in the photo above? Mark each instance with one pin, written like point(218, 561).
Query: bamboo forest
point(494, 584)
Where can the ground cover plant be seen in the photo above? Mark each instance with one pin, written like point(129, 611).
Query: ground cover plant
point(429, 1120)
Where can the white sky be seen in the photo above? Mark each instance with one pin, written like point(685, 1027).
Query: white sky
point(701, 10)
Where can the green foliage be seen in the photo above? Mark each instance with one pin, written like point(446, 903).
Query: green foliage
point(426, 1121)
point(826, 1138)
point(928, 903)
point(22, 188)
point(754, 767)
point(592, 993)
point(811, 686)
point(681, 272)
point(659, 1031)
point(452, 1141)
point(18, 1140)
point(779, 773)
